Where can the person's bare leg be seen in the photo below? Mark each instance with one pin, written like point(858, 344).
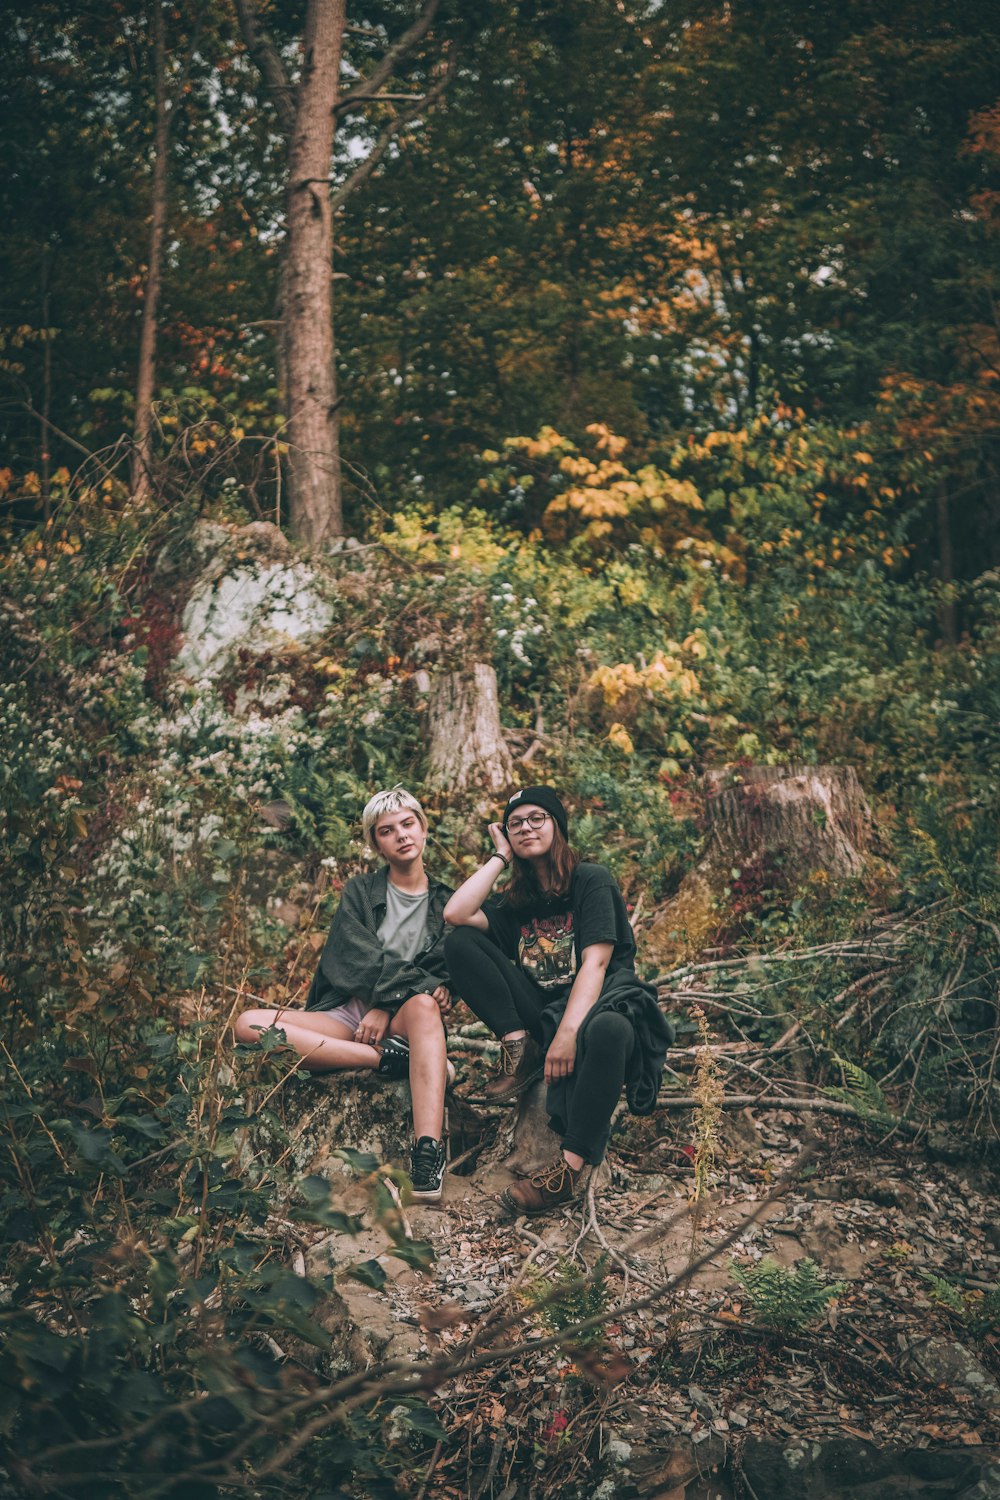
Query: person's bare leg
point(419, 1020)
point(322, 1042)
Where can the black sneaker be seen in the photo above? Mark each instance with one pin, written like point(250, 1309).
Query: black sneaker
point(395, 1059)
point(427, 1169)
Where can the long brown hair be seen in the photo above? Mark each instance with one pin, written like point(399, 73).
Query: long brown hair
point(526, 888)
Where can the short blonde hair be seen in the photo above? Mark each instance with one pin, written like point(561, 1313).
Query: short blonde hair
point(394, 800)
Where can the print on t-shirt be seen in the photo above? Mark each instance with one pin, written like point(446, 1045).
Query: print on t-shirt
point(546, 952)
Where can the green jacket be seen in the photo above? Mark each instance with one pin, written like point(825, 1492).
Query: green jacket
point(354, 964)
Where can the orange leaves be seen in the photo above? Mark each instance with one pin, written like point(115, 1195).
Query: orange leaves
point(986, 206)
point(612, 493)
point(606, 441)
point(983, 138)
point(576, 468)
point(598, 496)
point(546, 443)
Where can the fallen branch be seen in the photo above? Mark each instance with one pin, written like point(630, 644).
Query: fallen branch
point(474, 1044)
point(850, 950)
point(814, 1106)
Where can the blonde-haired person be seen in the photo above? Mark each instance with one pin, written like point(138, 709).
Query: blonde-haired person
point(381, 987)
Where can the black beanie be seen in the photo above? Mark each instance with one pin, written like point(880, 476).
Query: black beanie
point(539, 796)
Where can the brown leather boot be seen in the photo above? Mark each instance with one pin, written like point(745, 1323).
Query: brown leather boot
point(520, 1064)
point(557, 1183)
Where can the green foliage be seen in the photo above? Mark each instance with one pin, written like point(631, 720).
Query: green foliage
point(861, 1090)
point(158, 1337)
point(561, 1302)
point(976, 1309)
point(786, 1299)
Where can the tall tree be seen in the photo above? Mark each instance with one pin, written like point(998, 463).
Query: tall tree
point(146, 378)
point(308, 112)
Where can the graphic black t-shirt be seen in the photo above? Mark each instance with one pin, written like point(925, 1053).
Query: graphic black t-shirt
point(547, 939)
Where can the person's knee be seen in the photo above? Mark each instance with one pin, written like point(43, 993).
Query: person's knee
point(461, 942)
point(421, 1010)
point(610, 1033)
point(251, 1024)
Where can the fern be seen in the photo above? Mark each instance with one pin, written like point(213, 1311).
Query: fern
point(983, 1312)
point(947, 1295)
point(326, 805)
point(978, 1311)
point(862, 1091)
point(572, 1305)
point(783, 1299)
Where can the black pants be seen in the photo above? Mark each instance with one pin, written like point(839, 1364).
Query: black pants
point(507, 1000)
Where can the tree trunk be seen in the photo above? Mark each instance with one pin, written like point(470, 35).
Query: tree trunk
point(307, 116)
point(45, 455)
point(467, 749)
point(947, 615)
point(774, 825)
point(146, 378)
point(313, 431)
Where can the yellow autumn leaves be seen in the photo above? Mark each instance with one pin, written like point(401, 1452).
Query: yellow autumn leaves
point(627, 688)
point(604, 494)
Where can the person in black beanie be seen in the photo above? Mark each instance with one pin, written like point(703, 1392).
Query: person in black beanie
point(549, 965)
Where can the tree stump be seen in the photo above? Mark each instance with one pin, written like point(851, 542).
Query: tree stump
point(806, 818)
point(533, 1142)
point(359, 1110)
point(467, 751)
point(366, 1113)
point(776, 824)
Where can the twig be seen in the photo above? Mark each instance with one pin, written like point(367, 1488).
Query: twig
point(430, 1470)
point(471, 1151)
point(491, 1468)
point(393, 1192)
point(847, 950)
point(18, 1075)
point(298, 1063)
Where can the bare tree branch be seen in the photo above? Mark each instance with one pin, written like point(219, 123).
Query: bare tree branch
point(261, 46)
point(370, 85)
point(365, 168)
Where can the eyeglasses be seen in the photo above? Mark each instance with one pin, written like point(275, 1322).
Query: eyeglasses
point(532, 820)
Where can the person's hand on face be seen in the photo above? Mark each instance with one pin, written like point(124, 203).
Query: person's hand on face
point(372, 1027)
point(501, 843)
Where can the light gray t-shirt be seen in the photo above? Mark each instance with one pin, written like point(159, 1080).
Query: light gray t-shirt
point(403, 929)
